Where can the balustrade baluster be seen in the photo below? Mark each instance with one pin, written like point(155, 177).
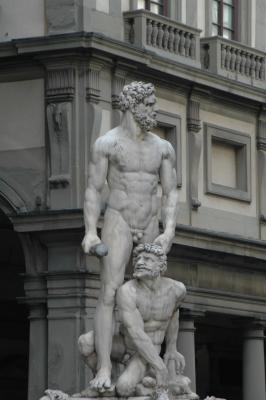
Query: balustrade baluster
point(252, 66)
point(171, 39)
point(154, 34)
point(257, 68)
point(176, 42)
point(243, 62)
point(233, 59)
point(187, 44)
point(182, 44)
point(247, 67)
point(262, 69)
point(193, 46)
point(149, 32)
point(165, 37)
point(238, 60)
point(160, 35)
point(223, 55)
point(227, 57)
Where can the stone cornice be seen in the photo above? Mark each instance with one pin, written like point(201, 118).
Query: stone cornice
point(93, 43)
point(188, 236)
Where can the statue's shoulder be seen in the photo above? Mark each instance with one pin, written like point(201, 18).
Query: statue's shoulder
point(178, 287)
point(164, 145)
point(104, 142)
point(126, 296)
point(127, 289)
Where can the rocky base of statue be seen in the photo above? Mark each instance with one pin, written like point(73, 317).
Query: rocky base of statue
point(110, 395)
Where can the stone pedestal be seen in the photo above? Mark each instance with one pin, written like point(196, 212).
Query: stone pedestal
point(254, 363)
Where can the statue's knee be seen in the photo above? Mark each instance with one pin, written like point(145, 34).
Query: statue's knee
point(108, 295)
point(124, 388)
point(86, 344)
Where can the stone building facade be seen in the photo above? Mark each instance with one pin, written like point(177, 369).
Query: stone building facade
point(63, 64)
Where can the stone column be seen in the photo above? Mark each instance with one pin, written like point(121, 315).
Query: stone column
point(37, 381)
point(254, 363)
point(186, 345)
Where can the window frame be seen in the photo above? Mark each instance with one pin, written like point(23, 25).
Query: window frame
point(172, 124)
point(163, 5)
point(220, 25)
point(240, 141)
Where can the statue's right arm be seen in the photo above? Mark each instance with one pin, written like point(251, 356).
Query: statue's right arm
point(96, 178)
point(134, 325)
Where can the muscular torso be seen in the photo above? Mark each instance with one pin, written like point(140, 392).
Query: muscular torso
point(133, 174)
point(156, 308)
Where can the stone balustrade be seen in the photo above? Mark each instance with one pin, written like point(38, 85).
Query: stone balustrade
point(163, 36)
point(233, 60)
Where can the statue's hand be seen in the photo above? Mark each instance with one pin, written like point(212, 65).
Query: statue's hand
point(162, 377)
point(178, 359)
point(164, 241)
point(89, 242)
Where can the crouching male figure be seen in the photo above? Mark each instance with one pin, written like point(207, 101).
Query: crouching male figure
point(148, 307)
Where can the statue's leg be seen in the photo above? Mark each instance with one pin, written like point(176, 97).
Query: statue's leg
point(133, 374)
point(117, 236)
point(151, 232)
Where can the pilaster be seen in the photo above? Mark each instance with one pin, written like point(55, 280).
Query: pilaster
point(261, 147)
point(93, 96)
point(61, 92)
point(36, 297)
point(71, 300)
point(118, 82)
point(195, 148)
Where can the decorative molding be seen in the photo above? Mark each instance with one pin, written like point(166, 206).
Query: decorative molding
point(93, 82)
point(195, 149)
point(59, 126)
point(261, 135)
point(193, 118)
point(118, 82)
point(60, 84)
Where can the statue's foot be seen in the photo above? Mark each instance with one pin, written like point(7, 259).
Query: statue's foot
point(102, 380)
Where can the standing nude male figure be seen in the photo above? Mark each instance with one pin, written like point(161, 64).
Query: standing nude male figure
point(132, 159)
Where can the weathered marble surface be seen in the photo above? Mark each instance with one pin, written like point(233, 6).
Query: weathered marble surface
point(132, 159)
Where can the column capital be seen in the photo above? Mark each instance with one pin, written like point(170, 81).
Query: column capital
point(254, 329)
point(188, 314)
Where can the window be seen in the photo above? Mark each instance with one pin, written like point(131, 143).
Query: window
point(155, 6)
point(227, 163)
point(224, 18)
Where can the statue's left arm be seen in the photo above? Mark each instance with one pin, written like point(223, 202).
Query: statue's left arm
point(169, 197)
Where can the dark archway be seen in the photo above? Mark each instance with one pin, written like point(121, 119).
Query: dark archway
point(14, 332)
point(219, 357)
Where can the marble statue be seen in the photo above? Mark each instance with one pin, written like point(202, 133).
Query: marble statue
point(148, 309)
point(132, 160)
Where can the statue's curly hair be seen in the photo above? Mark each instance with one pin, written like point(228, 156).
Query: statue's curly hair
point(133, 94)
point(154, 249)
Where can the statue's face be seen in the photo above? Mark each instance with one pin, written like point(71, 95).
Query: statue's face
point(147, 265)
point(145, 113)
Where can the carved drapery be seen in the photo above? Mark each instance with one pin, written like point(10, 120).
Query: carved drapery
point(60, 92)
point(59, 126)
point(195, 149)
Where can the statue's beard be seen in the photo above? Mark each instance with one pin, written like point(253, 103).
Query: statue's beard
point(145, 121)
